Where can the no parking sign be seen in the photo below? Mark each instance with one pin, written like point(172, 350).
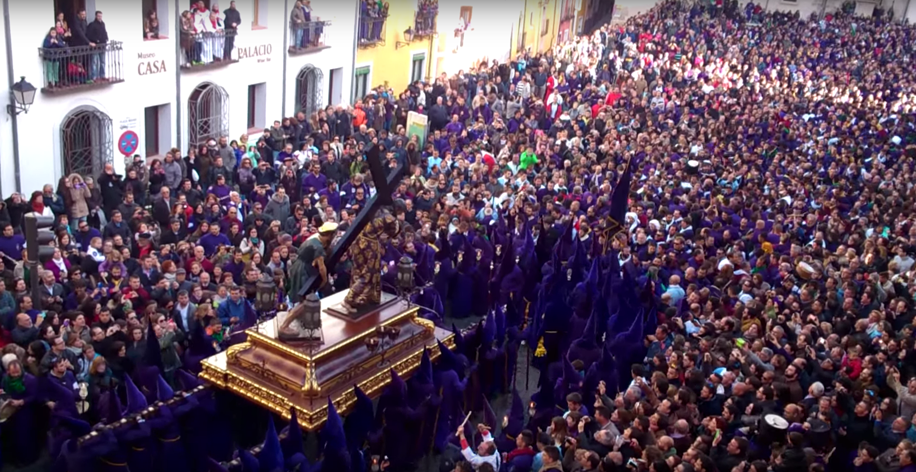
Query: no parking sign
point(128, 143)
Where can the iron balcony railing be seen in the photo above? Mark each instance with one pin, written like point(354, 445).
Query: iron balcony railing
point(372, 30)
point(307, 37)
point(425, 23)
point(68, 68)
point(206, 48)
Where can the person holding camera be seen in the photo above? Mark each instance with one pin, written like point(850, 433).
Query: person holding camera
point(78, 198)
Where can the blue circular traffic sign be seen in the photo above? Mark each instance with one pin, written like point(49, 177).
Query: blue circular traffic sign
point(128, 143)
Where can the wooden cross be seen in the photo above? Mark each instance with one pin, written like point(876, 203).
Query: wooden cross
point(386, 181)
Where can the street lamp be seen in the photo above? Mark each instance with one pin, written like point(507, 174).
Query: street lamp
point(23, 96)
point(266, 295)
point(405, 274)
point(408, 38)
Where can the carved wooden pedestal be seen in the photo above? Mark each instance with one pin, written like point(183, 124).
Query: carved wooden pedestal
point(278, 375)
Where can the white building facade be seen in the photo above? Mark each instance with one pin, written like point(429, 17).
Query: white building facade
point(144, 95)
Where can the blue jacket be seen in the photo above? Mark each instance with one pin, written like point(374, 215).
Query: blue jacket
point(7, 309)
point(229, 309)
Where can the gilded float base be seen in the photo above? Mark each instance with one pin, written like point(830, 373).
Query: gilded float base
point(303, 375)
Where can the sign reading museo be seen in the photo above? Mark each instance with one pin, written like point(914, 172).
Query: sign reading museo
point(149, 65)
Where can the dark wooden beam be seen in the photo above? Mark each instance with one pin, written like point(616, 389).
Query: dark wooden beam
point(385, 185)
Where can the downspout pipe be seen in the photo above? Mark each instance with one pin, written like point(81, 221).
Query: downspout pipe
point(178, 53)
point(353, 59)
point(11, 78)
point(285, 56)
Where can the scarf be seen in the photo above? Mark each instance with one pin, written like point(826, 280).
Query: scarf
point(38, 207)
point(14, 385)
point(202, 9)
point(214, 21)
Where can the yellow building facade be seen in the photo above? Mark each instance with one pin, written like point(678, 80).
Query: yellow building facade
point(410, 47)
point(393, 50)
point(545, 23)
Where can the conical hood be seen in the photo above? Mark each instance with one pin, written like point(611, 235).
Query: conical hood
point(153, 356)
point(333, 432)
point(292, 443)
point(425, 373)
point(397, 387)
point(489, 332)
point(446, 357)
point(136, 402)
point(187, 380)
point(500, 319)
point(114, 410)
point(76, 426)
point(589, 336)
point(593, 275)
point(249, 462)
point(271, 455)
point(359, 421)
point(164, 391)
point(460, 345)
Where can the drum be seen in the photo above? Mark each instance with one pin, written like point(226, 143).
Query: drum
point(804, 270)
point(693, 167)
point(819, 434)
point(7, 409)
point(772, 429)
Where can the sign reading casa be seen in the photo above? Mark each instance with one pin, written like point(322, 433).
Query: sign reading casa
point(261, 52)
point(149, 65)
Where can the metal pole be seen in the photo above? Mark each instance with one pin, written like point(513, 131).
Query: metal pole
point(285, 56)
point(178, 54)
point(353, 59)
point(34, 282)
point(11, 107)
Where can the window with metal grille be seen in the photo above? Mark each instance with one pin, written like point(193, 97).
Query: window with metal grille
point(308, 89)
point(85, 141)
point(361, 83)
point(417, 66)
point(208, 114)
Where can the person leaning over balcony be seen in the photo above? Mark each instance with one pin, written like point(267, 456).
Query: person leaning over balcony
point(151, 25)
point(297, 23)
point(232, 21)
point(187, 42)
point(98, 35)
point(52, 63)
point(312, 31)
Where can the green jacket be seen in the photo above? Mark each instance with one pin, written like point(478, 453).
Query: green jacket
point(526, 160)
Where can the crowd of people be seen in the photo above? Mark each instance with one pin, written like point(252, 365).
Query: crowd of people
point(372, 17)
point(305, 31)
point(205, 36)
point(700, 222)
point(78, 55)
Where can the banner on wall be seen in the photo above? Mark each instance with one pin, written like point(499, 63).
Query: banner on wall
point(417, 125)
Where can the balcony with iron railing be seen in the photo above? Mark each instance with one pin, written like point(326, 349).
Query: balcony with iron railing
point(308, 37)
point(73, 68)
point(207, 50)
point(372, 30)
point(425, 22)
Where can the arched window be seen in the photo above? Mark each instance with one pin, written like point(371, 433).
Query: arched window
point(86, 142)
point(208, 114)
point(308, 90)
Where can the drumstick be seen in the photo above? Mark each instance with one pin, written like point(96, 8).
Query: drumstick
point(466, 418)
